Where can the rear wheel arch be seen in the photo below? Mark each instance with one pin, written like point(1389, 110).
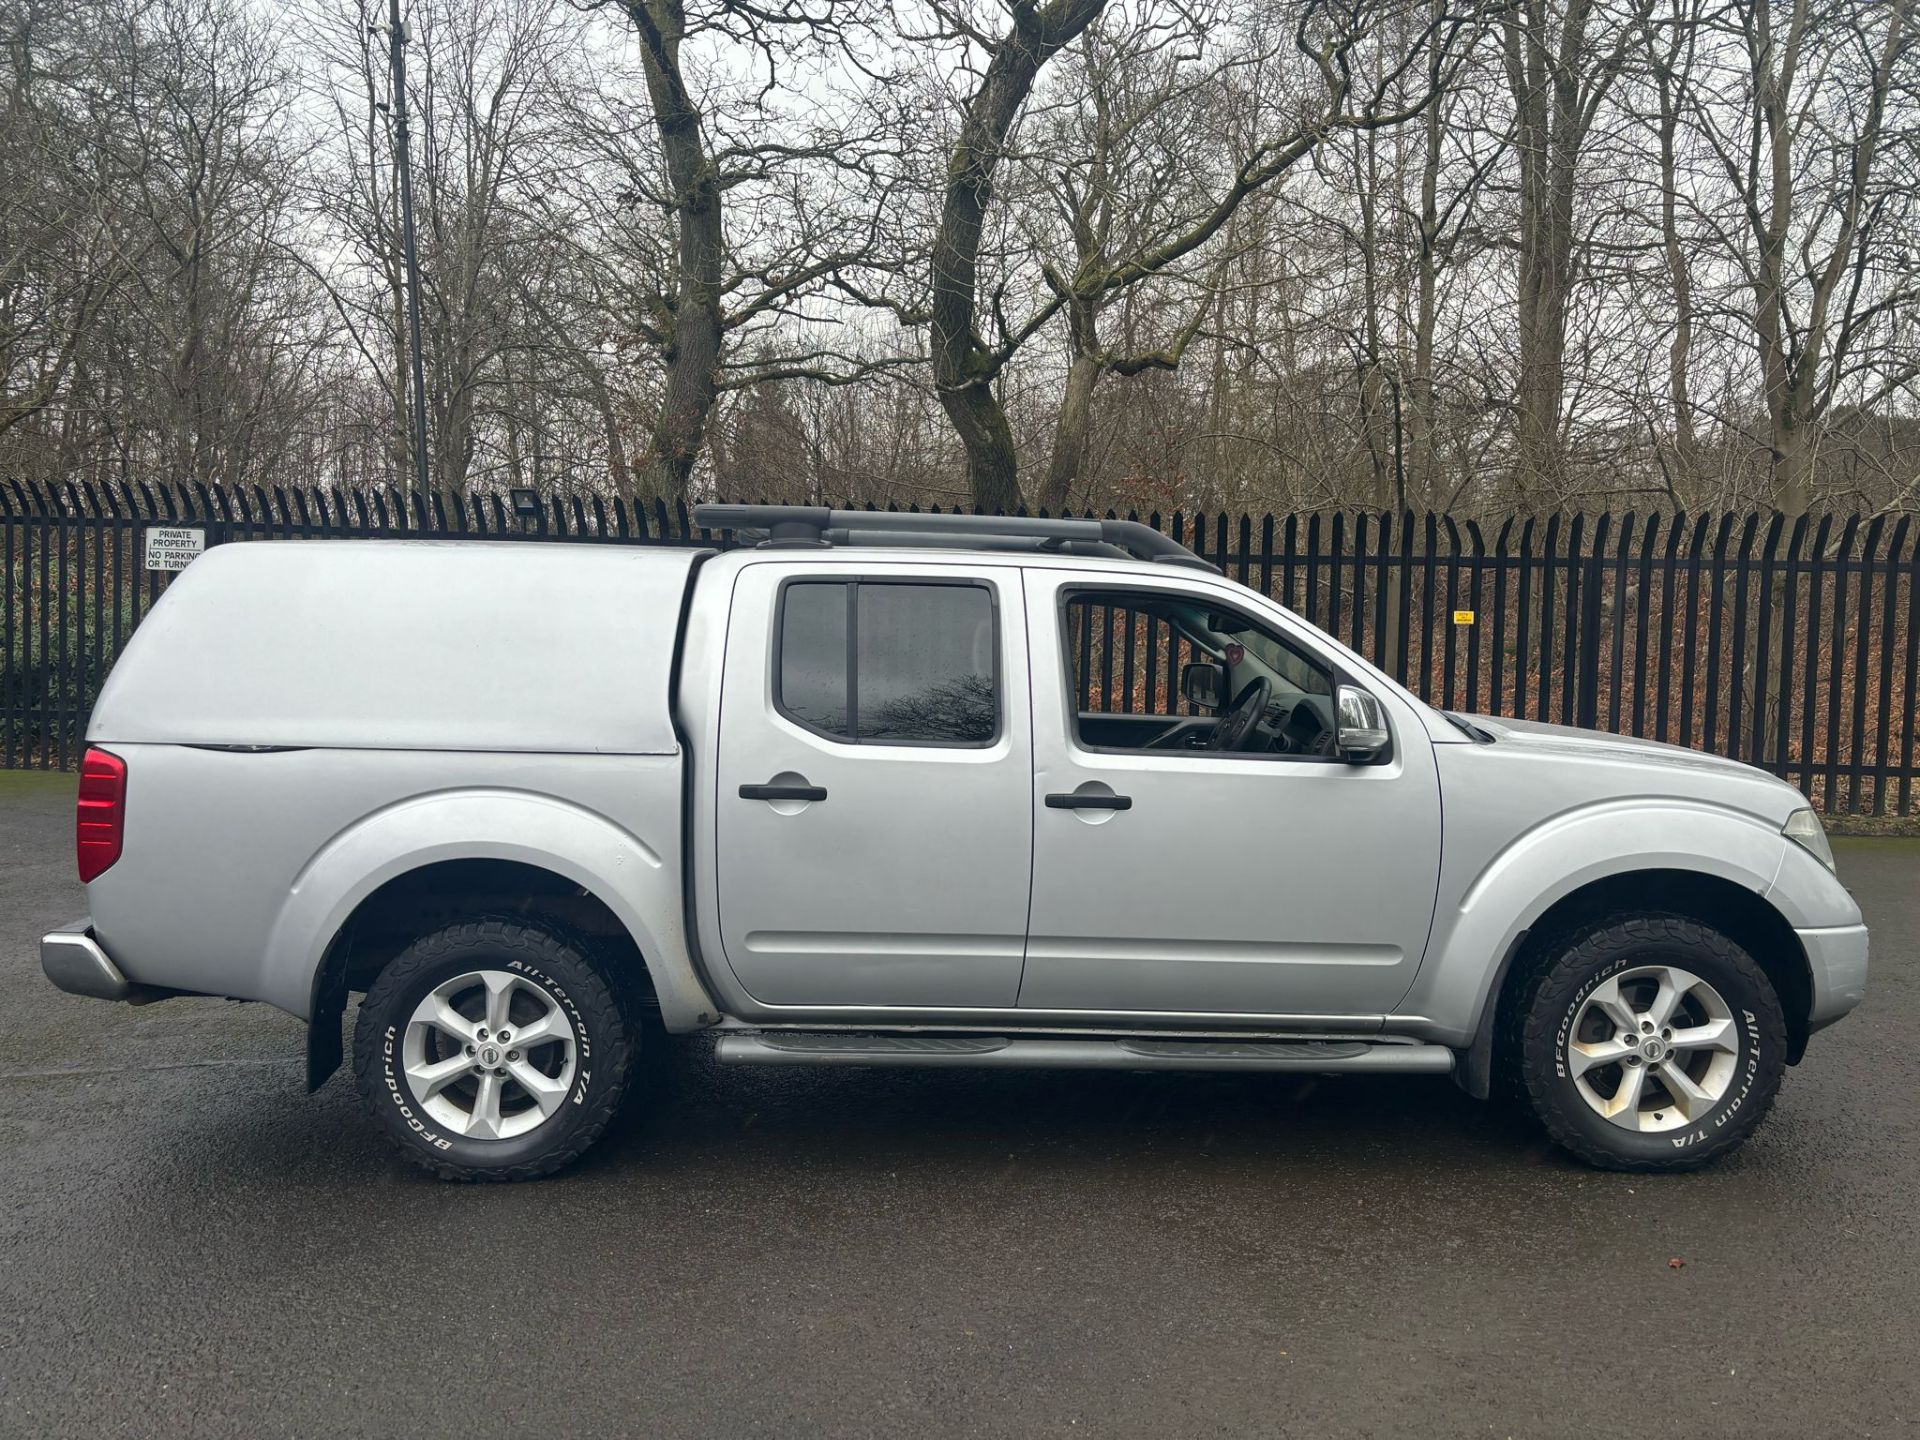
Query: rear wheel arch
point(430, 896)
point(1742, 915)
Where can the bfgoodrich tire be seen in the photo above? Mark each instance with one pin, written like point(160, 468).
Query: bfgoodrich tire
point(1650, 1042)
point(493, 1050)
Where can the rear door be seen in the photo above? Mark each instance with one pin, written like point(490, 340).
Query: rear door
point(875, 781)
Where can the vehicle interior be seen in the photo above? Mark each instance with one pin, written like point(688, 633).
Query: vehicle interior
point(1153, 671)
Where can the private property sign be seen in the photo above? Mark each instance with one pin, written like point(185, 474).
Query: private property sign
point(173, 547)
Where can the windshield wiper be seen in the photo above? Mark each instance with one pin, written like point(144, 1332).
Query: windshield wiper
point(1466, 727)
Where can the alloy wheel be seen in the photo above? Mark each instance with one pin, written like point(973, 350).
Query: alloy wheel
point(1653, 1048)
point(489, 1054)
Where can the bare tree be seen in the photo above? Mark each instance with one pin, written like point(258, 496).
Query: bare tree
point(1819, 169)
point(63, 254)
point(1287, 254)
point(719, 289)
point(1668, 51)
point(1309, 83)
point(965, 363)
point(1114, 177)
point(1563, 59)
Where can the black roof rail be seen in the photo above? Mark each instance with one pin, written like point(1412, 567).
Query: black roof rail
point(818, 525)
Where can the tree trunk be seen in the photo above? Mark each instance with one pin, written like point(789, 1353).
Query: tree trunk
point(1541, 389)
point(1374, 397)
point(1556, 83)
point(1546, 242)
point(993, 470)
point(1420, 416)
point(964, 369)
point(617, 469)
point(696, 324)
point(1792, 493)
point(1679, 275)
point(1071, 433)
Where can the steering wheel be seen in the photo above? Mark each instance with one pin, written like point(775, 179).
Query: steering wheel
point(1236, 726)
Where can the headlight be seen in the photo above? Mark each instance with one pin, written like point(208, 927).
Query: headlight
point(1803, 827)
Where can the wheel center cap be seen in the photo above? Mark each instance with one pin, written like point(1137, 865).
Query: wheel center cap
point(490, 1055)
point(1654, 1050)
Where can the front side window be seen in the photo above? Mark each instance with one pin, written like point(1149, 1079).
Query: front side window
point(889, 662)
point(1131, 656)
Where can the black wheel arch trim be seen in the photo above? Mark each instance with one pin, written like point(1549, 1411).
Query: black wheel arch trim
point(1474, 1073)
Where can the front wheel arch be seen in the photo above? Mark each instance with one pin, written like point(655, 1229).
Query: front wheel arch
point(1740, 914)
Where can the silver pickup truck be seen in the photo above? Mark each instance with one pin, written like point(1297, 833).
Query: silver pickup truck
point(847, 796)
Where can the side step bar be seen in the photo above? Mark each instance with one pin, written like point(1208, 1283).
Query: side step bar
point(1322, 1057)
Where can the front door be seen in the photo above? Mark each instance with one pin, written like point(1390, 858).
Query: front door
point(1270, 878)
point(874, 814)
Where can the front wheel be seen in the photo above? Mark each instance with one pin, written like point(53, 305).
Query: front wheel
point(1651, 1042)
point(493, 1050)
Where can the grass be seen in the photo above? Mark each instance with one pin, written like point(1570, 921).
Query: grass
point(35, 782)
point(1872, 827)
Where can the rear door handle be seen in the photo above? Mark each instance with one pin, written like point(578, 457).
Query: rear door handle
point(1075, 801)
point(783, 792)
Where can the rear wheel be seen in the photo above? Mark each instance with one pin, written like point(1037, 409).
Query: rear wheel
point(493, 1050)
point(1651, 1042)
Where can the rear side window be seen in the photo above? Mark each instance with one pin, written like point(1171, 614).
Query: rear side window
point(889, 662)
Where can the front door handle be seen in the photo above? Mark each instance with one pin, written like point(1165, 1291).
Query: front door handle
point(783, 792)
point(1074, 800)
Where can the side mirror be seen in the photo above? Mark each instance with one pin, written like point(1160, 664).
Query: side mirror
point(1360, 732)
point(1204, 684)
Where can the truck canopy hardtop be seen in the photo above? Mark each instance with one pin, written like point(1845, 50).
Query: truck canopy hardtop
point(482, 646)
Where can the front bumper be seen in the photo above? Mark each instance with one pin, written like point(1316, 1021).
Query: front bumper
point(1837, 958)
point(75, 963)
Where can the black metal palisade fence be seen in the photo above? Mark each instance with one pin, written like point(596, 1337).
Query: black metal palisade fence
point(1790, 645)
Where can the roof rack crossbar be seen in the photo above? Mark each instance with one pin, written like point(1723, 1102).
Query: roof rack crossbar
point(818, 525)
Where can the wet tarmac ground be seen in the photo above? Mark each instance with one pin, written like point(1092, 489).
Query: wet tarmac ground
point(190, 1245)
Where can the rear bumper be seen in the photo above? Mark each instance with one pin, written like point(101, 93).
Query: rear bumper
point(1837, 957)
point(75, 963)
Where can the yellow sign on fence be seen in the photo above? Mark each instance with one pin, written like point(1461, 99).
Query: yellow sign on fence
point(1463, 617)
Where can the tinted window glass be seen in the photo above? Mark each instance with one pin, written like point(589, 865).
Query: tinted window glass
point(923, 661)
point(813, 656)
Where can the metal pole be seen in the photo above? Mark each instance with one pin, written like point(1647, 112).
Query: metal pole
point(397, 50)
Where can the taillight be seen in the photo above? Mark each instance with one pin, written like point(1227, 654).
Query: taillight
point(100, 817)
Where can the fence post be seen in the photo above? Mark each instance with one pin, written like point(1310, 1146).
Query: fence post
point(1587, 700)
